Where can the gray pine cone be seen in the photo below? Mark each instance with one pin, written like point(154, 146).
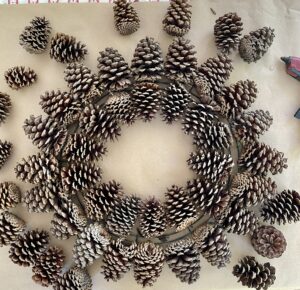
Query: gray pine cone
point(19, 77)
point(10, 195)
point(5, 151)
point(5, 105)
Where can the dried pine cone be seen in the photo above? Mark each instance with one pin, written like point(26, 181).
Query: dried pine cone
point(90, 245)
point(35, 37)
point(5, 105)
point(48, 266)
point(254, 275)
point(147, 63)
point(183, 259)
point(177, 21)
point(268, 242)
point(283, 208)
point(227, 32)
point(26, 249)
point(66, 49)
point(10, 195)
point(19, 77)
point(148, 263)
point(126, 18)
point(11, 226)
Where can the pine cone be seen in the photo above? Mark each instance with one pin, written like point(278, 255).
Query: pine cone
point(254, 275)
point(181, 211)
point(126, 18)
point(174, 102)
point(147, 63)
point(66, 49)
point(11, 226)
point(181, 61)
point(68, 220)
point(213, 245)
point(121, 219)
point(148, 263)
point(114, 72)
point(227, 32)
point(117, 259)
point(253, 46)
point(10, 195)
point(177, 21)
point(283, 208)
point(74, 279)
point(35, 37)
point(212, 165)
point(46, 133)
point(152, 218)
point(259, 159)
point(101, 200)
point(48, 266)
point(250, 126)
point(146, 99)
point(183, 259)
point(80, 147)
point(90, 245)
point(5, 105)
point(19, 77)
point(96, 122)
point(268, 242)
point(26, 249)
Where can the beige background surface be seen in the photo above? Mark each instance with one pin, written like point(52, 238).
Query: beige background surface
point(93, 24)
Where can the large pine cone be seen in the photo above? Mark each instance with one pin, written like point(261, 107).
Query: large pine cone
point(19, 77)
point(5, 105)
point(10, 195)
point(5, 151)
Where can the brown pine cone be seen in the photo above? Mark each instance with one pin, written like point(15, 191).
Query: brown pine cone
point(19, 77)
point(5, 105)
point(10, 195)
point(5, 151)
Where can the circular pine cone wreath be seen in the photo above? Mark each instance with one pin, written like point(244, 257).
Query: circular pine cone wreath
point(230, 193)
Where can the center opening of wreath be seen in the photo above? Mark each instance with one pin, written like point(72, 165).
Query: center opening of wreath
point(148, 158)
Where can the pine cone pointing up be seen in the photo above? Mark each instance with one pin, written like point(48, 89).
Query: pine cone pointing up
point(19, 77)
point(5, 151)
point(5, 105)
point(10, 195)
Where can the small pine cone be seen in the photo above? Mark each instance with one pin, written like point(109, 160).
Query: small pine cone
point(101, 200)
point(81, 81)
point(5, 105)
point(212, 165)
point(174, 102)
point(181, 211)
point(236, 98)
point(250, 126)
point(148, 263)
point(177, 21)
point(114, 72)
point(79, 176)
point(74, 279)
point(19, 77)
point(5, 151)
point(38, 169)
point(213, 245)
point(181, 61)
point(90, 245)
point(122, 218)
point(152, 218)
point(35, 37)
point(268, 242)
point(26, 249)
point(80, 147)
point(11, 226)
point(146, 100)
point(48, 266)
point(117, 259)
point(66, 49)
point(10, 195)
point(96, 122)
point(147, 63)
point(252, 47)
point(227, 32)
point(283, 208)
point(259, 159)
point(120, 105)
point(216, 71)
point(183, 259)
point(46, 133)
point(126, 18)
point(254, 275)
point(68, 220)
